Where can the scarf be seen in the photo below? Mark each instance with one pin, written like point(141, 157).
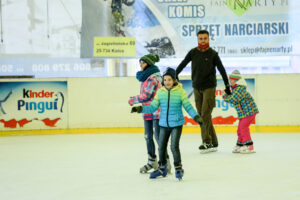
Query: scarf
point(143, 75)
point(203, 47)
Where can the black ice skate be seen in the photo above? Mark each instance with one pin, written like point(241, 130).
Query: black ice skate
point(206, 148)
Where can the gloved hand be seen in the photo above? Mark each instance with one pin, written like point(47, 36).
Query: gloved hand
point(130, 101)
point(137, 109)
point(227, 90)
point(198, 119)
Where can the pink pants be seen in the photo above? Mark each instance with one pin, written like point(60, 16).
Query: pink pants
point(243, 131)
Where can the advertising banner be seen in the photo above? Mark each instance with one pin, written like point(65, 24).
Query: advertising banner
point(33, 105)
point(44, 28)
point(114, 47)
point(224, 113)
point(54, 67)
point(169, 27)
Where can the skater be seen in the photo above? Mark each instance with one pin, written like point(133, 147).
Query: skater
point(170, 99)
point(246, 110)
point(150, 79)
point(204, 62)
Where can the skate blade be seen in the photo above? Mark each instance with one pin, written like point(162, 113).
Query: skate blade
point(248, 152)
point(205, 151)
point(145, 172)
point(158, 177)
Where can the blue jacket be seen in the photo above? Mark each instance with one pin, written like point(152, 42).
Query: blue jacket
point(170, 103)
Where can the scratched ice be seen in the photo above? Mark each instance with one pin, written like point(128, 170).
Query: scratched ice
point(106, 167)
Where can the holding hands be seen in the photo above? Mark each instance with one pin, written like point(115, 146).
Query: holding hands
point(198, 119)
point(228, 90)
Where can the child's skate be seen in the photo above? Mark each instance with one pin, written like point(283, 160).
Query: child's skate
point(237, 149)
point(179, 172)
point(246, 149)
point(152, 164)
point(169, 166)
point(161, 171)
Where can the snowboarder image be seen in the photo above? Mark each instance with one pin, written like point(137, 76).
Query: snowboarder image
point(118, 17)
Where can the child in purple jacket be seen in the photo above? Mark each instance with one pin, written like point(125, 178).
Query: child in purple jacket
point(246, 109)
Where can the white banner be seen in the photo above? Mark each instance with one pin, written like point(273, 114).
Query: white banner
point(33, 105)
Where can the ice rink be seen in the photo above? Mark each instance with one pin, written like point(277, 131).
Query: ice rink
point(106, 167)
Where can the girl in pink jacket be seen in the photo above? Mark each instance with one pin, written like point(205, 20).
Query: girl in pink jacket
point(150, 79)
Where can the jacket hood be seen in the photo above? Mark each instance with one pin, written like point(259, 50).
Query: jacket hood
point(241, 82)
point(176, 87)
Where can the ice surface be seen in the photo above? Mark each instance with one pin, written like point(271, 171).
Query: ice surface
point(106, 166)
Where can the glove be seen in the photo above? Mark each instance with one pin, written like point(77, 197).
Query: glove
point(130, 101)
point(137, 109)
point(227, 90)
point(198, 119)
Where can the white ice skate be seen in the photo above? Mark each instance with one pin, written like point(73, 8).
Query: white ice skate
point(169, 166)
point(237, 149)
point(152, 164)
point(247, 149)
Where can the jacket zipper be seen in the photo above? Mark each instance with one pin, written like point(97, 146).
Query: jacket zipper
point(168, 108)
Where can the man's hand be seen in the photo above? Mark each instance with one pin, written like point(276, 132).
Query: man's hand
point(198, 119)
point(227, 90)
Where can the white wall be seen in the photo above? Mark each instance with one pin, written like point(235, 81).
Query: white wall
point(278, 98)
point(103, 102)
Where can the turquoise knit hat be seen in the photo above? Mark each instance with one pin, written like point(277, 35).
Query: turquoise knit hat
point(150, 58)
point(235, 75)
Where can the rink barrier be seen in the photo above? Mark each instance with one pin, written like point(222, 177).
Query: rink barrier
point(140, 130)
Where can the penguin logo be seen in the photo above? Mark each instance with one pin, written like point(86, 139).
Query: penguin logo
point(60, 95)
point(4, 100)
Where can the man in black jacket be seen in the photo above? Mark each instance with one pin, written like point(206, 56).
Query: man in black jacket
point(204, 62)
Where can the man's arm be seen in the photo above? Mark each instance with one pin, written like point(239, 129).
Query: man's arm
point(218, 63)
point(183, 63)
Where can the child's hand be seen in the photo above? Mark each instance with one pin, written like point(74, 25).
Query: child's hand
point(137, 109)
point(227, 90)
point(130, 101)
point(198, 119)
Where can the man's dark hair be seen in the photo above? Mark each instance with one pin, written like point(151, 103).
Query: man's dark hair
point(203, 32)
